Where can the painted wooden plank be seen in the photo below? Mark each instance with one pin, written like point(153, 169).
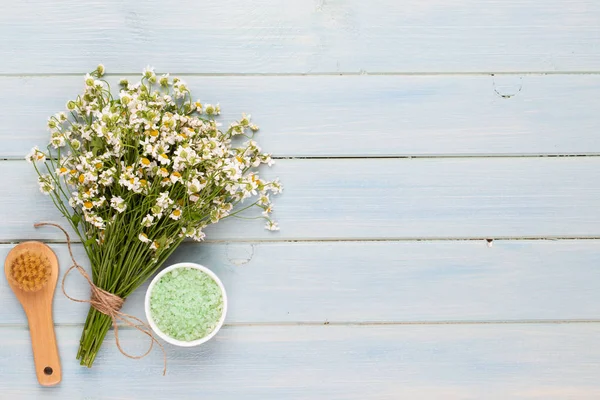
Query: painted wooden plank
point(384, 198)
point(336, 116)
point(376, 281)
point(282, 36)
point(328, 362)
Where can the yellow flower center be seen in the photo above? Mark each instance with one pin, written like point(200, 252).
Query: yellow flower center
point(98, 165)
point(73, 171)
point(164, 170)
point(154, 133)
point(163, 155)
point(156, 244)
point(177, 174)
point(143, 182)
point(131, 181)
point(88, 204)
point(63, 170)
point(81, 178)
point(145, 161)
point(177, 213)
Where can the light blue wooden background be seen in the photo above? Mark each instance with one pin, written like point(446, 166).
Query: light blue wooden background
point(408, 132)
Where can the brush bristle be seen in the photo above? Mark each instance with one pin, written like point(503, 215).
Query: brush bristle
point(30, 271)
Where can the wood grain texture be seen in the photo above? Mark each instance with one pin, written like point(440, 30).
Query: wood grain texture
point(375, 281)
point(330, 362)
point(282, 36)
point(37, 306)
point(333, 116)
point(384, 198)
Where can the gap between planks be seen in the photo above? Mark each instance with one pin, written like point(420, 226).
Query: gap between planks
point(361, 323)
point(411, 157)
point(286, 74)
point(489, 239)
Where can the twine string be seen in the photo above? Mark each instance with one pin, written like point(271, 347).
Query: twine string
point(109, 304)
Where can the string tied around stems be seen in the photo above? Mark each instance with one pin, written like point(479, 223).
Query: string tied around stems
point(109, 304)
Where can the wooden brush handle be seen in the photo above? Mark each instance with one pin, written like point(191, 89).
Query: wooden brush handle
point(45, 351)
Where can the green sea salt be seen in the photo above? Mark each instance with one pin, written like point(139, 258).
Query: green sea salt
point(186, 304)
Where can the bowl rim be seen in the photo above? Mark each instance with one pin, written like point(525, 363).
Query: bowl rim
point(163, 335)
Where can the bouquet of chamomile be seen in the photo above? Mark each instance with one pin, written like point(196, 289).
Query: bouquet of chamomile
point(138, 173)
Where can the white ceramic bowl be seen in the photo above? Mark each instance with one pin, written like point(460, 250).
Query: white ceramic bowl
point(163, 335)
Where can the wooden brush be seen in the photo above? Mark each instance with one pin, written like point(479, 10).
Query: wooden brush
point(31, 269)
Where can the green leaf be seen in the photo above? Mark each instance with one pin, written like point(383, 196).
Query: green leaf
point(89, 242)
point(76, 218)
point(97, 145)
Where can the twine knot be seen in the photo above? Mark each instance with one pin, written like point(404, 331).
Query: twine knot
point(105, 302)
point(109, 304)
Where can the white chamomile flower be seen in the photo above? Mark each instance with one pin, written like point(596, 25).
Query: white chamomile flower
point(164, 80)
point(62, 171)
point(75, 144)
point(164, 159)
point(267, 210)
point(143, 238)
point(149, 73)
point(125, 97)
point(71, 105)
point(272, 226)
point(162, 171)
point(107, 176)
point(46, 184)
point(58, 140)
point(263, 200)
point(95, 220)
point(188, 231)
point(148, 220)
point(198, 236)
point(194, 186)
point(89, 80)
point(118, 204)
point(176, 214)
point(163, 200)
point(35, 155)
point(154, 245)
point(209, 109)
point(157, 211)
point(99, 202)
point(275, 187)
point(175, 177)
